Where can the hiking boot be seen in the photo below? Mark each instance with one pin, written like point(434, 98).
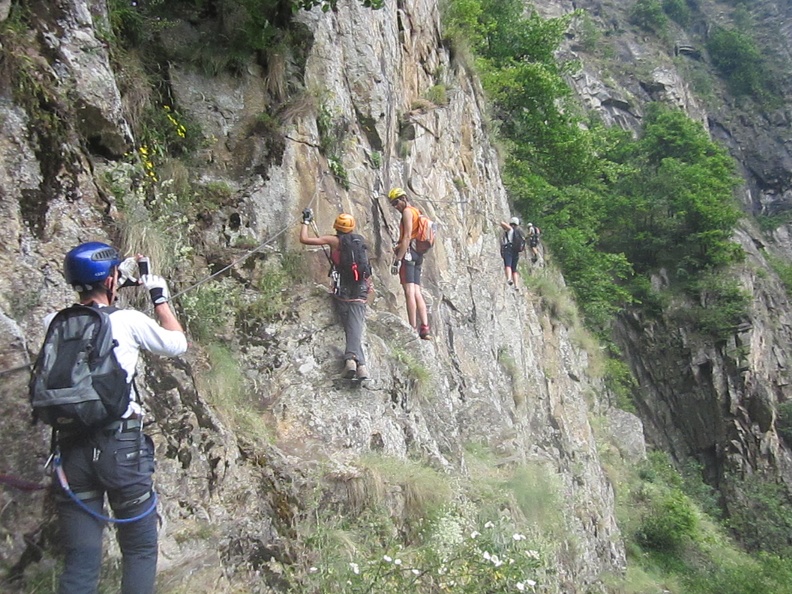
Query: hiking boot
point(350, 368)
point(362, 372)
point(510, 282)
point(534, 259)
point(424, 332)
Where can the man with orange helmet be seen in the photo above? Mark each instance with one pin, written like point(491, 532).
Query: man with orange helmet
point(352, 274)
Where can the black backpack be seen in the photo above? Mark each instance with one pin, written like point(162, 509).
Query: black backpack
point(77, 383)
point(517, 242)
point(353, 267)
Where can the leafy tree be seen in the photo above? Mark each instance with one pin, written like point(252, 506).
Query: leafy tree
point(739, 60)
point(676, 207)
point(649, 15)
point(678, 11)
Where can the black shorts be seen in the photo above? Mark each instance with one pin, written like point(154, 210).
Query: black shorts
point(410, 271)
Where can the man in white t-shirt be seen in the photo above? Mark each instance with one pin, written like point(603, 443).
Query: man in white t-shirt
point(116, 460)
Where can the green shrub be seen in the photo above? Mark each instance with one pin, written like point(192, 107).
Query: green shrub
point(678, 11)
point(136, 24)
point(784, 421)
point(783, 269)
point(209, 309)
point(739, 60)
point(721, 304)
point(760, 514)
point(649, 15)
point(621, 382)
point(226, 389)
point(268, 302)
point(670, 521)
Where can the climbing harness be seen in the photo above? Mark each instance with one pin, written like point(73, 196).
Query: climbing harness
point(57, 466)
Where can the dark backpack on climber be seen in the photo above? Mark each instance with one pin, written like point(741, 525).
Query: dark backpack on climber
point(354, 268)
point(518, 240)
point(517, 243)
point(77, 383)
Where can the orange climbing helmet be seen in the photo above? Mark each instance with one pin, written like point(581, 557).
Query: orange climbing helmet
point(345, 223)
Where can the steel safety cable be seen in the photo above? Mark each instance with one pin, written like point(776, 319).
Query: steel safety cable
point(255, 250)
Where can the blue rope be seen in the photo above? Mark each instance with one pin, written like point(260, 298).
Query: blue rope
point(65, 486)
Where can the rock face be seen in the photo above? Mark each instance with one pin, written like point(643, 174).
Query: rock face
point(503, 370)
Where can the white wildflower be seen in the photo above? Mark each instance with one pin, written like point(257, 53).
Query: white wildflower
point(531, 583)
point(387, 559)
point(533, 554)
point(520, 586)
point(397, 562)
point(415, 571)
point(496, 562)
point(487, 556)
point(355, 568)
point(475, 533)
point(489, 525)
point(518, 537)
point(312, 570)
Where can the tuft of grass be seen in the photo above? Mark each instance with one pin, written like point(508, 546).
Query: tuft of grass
point(425, 490)
point(227, 391)
point(536, 491)
point(416, 371)
point(437, 95)
point(555, 298)
point(512, 371)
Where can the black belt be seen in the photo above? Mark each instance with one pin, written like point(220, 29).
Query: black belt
point(123, 426)
point(71, 438)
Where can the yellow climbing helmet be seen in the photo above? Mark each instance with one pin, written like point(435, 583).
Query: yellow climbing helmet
point(344, 223)
point(396, 193)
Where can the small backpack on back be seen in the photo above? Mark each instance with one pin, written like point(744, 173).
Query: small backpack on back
point(77, 383)
point(354, 266)
point(535, 233)
point(518, 241)
point(426, 233)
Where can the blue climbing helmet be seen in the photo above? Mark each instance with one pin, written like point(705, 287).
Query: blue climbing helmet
point(89, 263)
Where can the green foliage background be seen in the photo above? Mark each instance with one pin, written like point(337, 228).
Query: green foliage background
point(613, 209)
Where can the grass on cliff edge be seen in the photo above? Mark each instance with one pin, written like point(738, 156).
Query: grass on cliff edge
point(395, 525)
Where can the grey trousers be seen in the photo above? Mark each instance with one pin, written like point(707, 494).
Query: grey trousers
point(353, 318)
point(121, 465)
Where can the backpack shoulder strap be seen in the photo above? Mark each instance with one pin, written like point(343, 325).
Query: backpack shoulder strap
point(416, 216)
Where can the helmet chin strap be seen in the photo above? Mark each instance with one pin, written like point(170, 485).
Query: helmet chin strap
point(112, 288)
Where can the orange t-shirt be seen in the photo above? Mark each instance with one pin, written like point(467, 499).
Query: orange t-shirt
point(414, 232)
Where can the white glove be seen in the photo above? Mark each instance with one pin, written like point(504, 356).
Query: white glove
point(157, 288)
point(126, 273)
